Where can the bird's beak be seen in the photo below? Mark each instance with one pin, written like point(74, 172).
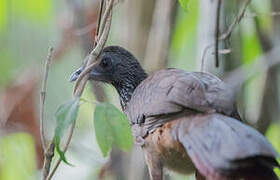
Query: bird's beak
point(94, 74)
point(75, 75)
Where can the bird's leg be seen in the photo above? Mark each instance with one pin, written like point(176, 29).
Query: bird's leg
point(155, 170)
point(154, 165)
point(198, 176)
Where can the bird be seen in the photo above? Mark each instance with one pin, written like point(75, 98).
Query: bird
point(185, 121)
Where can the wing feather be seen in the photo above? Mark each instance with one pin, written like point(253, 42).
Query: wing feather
point(173, 90)
point(215, 143)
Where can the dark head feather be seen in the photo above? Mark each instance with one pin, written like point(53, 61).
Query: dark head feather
point(119, 68)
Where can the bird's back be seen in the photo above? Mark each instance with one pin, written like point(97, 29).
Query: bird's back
point(170, 91)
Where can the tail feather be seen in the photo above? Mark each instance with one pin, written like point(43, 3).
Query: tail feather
point(261, 174)
point(255, 168)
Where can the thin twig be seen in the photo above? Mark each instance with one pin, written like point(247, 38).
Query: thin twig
point(236, 21)
point(48, 152)
point(86, 29)
point(204, 55)
point(64, 150)
point(91, 60)
point(253, 15)
point(102, 37)
point(227, 34)
point(99, 21)
point(105, 16)
point(217, 32)
point(48, 155)
point(43, 98)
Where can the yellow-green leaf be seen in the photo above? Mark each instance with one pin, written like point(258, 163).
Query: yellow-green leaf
point(111, 128)
point(66, 115)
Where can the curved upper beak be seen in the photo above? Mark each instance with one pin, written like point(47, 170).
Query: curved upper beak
point(94, 74)
point(75, 75)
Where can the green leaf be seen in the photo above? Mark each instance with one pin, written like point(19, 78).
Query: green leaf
point(66, 114)
point(111, 128)
point(184, 4)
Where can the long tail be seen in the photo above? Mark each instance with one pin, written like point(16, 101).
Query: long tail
point(262, 174)
point(263, 169)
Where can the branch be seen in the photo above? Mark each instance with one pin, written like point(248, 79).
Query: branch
point(225, 35)
point(253, 15)
point(105, 32)
point(64, 150)
point(217, 32)
point(81, 81)
point(105, 16)
point(92, 58)
point(48, 155)
point(203, 56)
point(99, 21)
point(43, 97)
point(236, 21)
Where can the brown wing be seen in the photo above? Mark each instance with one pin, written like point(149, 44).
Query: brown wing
point(173, 90)
point(218, 145)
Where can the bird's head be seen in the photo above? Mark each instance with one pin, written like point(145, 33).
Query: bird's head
point(116, 66)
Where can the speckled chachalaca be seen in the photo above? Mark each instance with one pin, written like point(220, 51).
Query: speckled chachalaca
point(185, 121)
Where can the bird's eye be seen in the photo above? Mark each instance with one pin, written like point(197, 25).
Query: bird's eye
point(105, 63)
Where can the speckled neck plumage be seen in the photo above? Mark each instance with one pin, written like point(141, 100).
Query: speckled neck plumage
point(127, 87)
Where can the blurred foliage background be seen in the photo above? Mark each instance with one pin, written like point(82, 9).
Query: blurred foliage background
point(160, 34)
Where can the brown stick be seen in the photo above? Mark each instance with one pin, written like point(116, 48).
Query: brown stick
point(236, 21)
point(48, 152)
point(64, 150)
point(99, 21)
point(227, 34)
point(81, 82)
point(105, 16)
point(43, 97)
point(48, 155)
point(92, 58)
point(217, 32)
point(203, 56)
point(253, 15)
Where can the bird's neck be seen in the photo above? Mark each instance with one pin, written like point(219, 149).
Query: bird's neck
point(127, 87)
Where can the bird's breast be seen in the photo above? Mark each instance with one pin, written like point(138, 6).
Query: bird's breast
point(170, 152)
